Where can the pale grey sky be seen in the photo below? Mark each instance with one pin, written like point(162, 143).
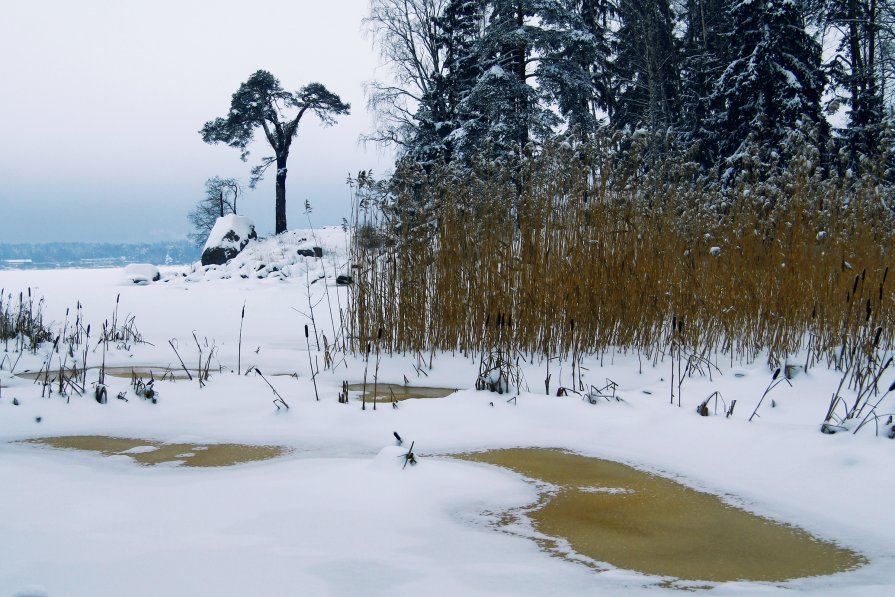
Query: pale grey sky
point(101, 101)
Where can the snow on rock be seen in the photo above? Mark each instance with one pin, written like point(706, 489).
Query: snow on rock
point(305, 256)
point(140, 274)
point(230, 235)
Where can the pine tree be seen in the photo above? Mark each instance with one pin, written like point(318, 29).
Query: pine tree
point(701, 64)
point(646, 72)
point(773, 82)
point(854, 67)
point(537, 58)
point(502, 106)
point(439, 116)
point(261, 104)
point(575, 67)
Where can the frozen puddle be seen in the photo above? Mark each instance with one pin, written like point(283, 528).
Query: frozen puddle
point(614, 513)
point(148, 452)
point(160, 373)
point(387, 392)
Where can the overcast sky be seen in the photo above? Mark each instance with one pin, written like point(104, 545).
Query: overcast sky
point(101, 101)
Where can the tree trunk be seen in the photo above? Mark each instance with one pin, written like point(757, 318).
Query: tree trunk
point(281, 194)
point(521, 56)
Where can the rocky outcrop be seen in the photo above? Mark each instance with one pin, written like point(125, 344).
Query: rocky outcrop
point(229, 236)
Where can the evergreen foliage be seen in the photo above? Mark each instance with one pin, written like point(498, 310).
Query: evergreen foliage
point(702, 61)
point(732, 85)
point(646, 74)
point(773, 80)
point(261, 103)
point(854, 68)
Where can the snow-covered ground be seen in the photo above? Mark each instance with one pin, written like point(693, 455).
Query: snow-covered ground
point(338, 515)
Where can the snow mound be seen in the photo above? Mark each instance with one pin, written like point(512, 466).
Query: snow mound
point(302, 256)
point(140, 274)
point(390, 457)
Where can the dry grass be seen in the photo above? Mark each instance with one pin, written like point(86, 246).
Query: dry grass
point(590, 256)
point(22, 322)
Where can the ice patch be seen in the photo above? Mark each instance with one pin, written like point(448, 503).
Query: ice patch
point(610, 490)
point(140, 450)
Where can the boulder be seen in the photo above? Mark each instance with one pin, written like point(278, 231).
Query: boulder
point(141, 274)
point(229, 236)
point(312, 252)
point(344, 280)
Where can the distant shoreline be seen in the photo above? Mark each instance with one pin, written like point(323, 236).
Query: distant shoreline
point(83, 255)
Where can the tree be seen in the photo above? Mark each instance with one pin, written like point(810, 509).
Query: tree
point(407, 34)
point(262, 103)
point(702, 62)
point(594, 51)
point(647, 61)
point(854, 67)
point(541, 67)
point(886, 52)
point(220, 199)
point(459, 27)
point(773, 83)
point(495, 74)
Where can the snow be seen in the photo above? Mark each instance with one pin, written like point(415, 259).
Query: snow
point(339, 514)
point(277, 258)
point(140, 273)
point(241, 225)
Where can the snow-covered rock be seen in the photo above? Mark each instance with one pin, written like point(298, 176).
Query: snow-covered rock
point(230, 235)
point(141, 274)
point(311, 252)
point(303, 256)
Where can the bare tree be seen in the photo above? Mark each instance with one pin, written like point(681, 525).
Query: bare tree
point(220, 199)
point(406, 33)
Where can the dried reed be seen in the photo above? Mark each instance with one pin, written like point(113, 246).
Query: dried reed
point(593, 254)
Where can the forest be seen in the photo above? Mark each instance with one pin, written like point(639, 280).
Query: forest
point(578, 176)
point(735, 85)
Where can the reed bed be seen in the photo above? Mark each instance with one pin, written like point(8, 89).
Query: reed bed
point(576, 254)
point(22, 322)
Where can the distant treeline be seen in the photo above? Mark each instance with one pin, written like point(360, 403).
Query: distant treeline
point(97, 254)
